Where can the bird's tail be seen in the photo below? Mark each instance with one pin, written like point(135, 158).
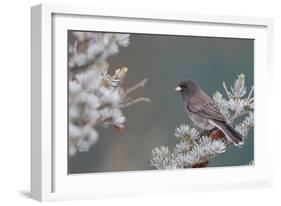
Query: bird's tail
point(234, 136)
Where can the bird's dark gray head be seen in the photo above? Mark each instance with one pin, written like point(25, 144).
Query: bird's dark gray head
point(187, 88)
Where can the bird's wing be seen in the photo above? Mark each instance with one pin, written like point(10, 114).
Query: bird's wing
point(205, 107)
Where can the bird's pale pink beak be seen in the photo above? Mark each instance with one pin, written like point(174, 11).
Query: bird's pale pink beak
point(178, 89)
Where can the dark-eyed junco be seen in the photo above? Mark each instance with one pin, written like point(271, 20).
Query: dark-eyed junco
point(203, 111)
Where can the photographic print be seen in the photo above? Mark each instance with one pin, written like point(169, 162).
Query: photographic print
point(148, 102)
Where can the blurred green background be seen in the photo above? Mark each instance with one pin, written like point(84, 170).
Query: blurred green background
point(165, 61)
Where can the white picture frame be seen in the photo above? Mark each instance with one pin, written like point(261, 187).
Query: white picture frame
point(49, 178)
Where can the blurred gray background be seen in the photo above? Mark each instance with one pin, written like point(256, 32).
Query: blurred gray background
point(165, 61)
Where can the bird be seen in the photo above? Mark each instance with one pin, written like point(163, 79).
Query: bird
point(204, 112)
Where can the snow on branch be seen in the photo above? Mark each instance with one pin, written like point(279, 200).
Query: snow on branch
point(96, 97)
point(196, 148)
point(94, 48)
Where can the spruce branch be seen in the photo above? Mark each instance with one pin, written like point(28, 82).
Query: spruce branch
point(95, 96)
point(196, 148)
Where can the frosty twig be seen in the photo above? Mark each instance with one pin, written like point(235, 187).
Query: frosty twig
point(135, 87)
